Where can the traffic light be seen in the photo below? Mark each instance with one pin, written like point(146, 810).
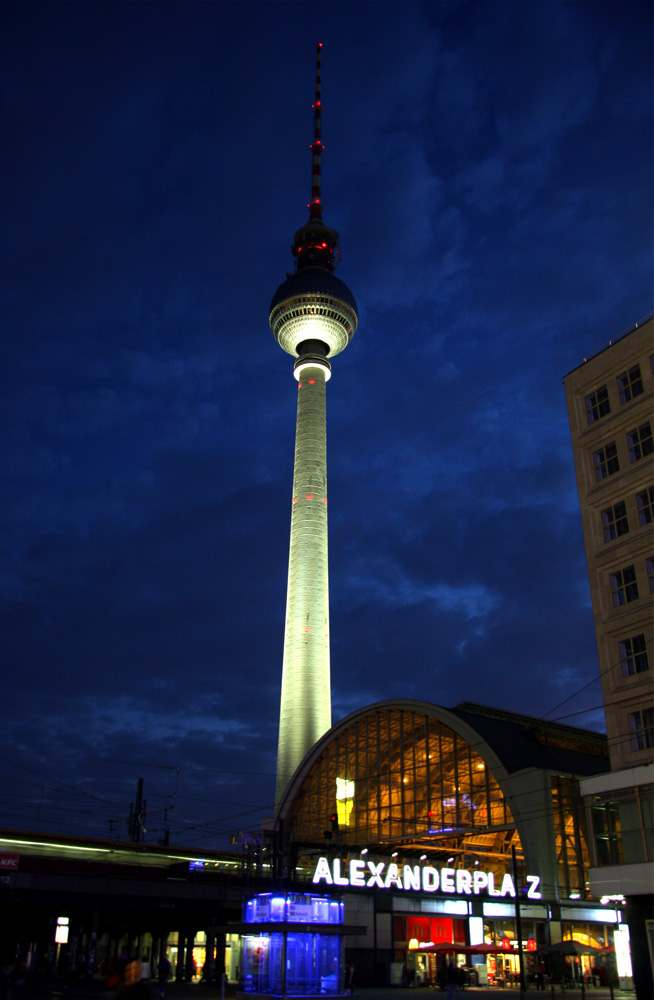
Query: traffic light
point(334, 822)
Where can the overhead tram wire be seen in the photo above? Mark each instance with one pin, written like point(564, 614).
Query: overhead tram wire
point(142, 764)
point(600, 674)
point(584, 711)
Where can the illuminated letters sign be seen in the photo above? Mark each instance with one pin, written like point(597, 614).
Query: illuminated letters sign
point(414, 878)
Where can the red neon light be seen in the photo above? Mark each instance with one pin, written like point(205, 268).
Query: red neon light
point(307, 629)
point(312, 381)
point(294, 500)
point(324, 499)
point(309, 496)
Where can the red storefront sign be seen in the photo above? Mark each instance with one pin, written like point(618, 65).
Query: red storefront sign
point(9, 862)
point(424, 929)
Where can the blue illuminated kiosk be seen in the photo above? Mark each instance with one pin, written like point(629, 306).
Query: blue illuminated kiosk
point(292, 945)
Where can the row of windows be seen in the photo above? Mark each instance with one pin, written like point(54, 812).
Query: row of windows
point(316, 311)
point(639, 444)
point(633, 655)
point(624, 586)
point(641, 729)
point(615, 519)
point(630, 385)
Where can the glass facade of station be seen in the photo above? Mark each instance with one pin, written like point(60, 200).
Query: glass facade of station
point(405, 778)
point(416, 788)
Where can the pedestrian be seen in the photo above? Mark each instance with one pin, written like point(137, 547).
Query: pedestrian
point(349, 977)
point(133, 988)
point(164, 972)
point(146, 972)
point(452, 980)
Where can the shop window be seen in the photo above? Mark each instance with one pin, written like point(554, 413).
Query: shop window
point(640, 442)
point(615, 521)
point(641, 729)
point(630, 384)
point(606, 461)
point(622, 825)
point(633, 655)
point(649, 567)
point(597, 404)
point(606, 831)
point(624, 588)
point(645, 506)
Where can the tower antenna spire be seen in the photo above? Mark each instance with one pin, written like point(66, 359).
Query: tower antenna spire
point(315, 206)
point(315, 244)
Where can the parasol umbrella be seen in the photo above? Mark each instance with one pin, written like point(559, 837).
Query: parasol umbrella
point(444, 946)
point(571, 948)
point(465, 949)
point(489, 949)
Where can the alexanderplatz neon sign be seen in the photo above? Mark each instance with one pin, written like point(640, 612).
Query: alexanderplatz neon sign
point(417, 878)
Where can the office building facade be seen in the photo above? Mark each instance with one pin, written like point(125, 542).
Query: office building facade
point(610, 399)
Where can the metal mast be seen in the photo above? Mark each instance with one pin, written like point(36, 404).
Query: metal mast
point(313, 316)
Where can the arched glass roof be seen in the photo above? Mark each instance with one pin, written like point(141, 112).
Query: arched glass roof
point(401, 779)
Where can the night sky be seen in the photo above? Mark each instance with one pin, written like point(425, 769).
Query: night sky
point(489, 168)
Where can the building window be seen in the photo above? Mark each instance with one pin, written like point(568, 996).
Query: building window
point(639, 442)
point(649, 564)
point(633, 655)
point(597, 404)
point(645, 506)
point(624, 588)
point(615, 521)
point(606, 461)
point(630, 384)
point(641, 729)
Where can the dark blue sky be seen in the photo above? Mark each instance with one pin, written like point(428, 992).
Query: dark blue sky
point(489, 167)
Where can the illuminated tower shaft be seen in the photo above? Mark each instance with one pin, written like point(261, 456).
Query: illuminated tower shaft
point(305, 711)
point(313, 315)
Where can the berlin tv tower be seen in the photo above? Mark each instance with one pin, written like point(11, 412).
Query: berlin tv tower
point(313, 316)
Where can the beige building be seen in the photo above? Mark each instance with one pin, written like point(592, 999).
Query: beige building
point(610, 408)
point(610, 402)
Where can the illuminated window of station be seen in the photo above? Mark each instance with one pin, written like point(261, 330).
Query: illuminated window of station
point(403, 779)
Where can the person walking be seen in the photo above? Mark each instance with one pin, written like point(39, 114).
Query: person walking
point(452, 980)
point(164, 972)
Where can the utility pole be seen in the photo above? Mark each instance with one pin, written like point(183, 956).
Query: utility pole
point(136, 822)
point(518, 920)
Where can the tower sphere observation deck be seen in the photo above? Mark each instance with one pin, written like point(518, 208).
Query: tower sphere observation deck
point(313, 313)
point(313, 316)
point(313, 305)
